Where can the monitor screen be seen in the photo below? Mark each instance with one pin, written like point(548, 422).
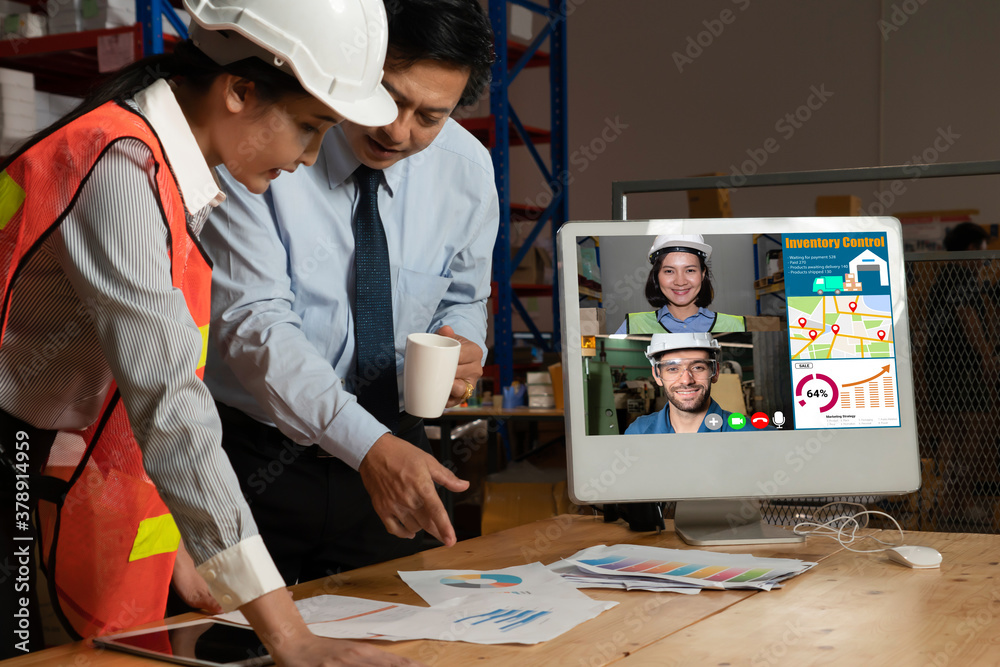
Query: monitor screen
point(808, 393)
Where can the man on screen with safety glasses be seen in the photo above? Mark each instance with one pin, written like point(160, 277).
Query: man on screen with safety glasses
point(686, 365)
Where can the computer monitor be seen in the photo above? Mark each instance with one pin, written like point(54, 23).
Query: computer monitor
point(828, 349)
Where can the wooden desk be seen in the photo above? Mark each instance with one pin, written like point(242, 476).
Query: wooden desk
point(851, 609)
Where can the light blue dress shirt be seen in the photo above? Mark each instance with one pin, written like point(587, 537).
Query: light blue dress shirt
point(282, 334)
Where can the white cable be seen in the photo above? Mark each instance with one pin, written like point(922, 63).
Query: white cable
point(844, 527)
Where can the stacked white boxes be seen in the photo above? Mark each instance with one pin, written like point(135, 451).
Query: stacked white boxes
point(50, 107)
point(77, 15)
point(101, 14)
point(22, 24)
point(64, 16)
point(540, 391)
point(17, 108)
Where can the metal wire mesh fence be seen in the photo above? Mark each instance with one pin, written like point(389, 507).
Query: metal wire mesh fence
point(952, 301)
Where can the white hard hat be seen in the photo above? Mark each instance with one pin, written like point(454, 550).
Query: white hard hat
point(335, 48)
point(681, 341)
point(694, 243)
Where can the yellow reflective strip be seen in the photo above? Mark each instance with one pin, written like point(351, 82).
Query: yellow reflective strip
point(204, 346)
point(11, 198)
point(157, 535)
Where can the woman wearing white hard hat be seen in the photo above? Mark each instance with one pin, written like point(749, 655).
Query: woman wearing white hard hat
point(679, 287)
point(105, 308)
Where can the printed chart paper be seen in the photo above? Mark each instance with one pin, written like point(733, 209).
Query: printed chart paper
point(513, 619)
point(580, 579)
point(436, 586)
point(527, 619)
point(687, 567)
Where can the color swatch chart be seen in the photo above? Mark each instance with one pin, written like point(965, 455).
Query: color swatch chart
point(686, 567)
point(680, 569)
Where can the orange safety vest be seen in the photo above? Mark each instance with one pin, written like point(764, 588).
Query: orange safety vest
point(107, 540)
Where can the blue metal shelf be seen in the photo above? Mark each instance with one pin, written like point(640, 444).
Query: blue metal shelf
point(150, 14)
point(555, 173)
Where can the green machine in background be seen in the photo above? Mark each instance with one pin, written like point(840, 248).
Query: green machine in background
point(599, 398)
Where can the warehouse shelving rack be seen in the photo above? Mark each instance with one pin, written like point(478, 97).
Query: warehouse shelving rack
point(511, 59)
point(67, 63)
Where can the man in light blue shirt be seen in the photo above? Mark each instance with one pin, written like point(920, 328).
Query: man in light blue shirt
point(282, 355)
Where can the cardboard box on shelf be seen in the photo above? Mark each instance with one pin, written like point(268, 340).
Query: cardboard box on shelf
point(541, 390)
point(555, 370)
point(16, 78)
point(78, 15)
point(18, 116)
point(592, 321)
point(548, 402)
point(23, 105)
point(102, 14)
point(827, 205)
point(538, 377)
point(710, 203)
point(764, 323)
point(534, 269)
point(50, 107)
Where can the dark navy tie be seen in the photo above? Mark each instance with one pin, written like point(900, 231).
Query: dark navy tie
point(376, 387)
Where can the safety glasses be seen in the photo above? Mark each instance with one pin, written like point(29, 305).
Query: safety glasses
point(676, 368)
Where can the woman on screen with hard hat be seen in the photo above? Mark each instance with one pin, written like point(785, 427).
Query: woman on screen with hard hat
point(679, 286)
point(105, 308)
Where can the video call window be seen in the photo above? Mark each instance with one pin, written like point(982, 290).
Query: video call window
point(825, 360)
point(813, 337)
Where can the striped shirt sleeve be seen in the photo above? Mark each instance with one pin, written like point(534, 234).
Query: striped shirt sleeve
point(114, 250)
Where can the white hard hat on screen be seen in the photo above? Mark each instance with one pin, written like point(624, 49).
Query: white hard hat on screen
point(335, 48)
point(667, 342)
point(693, 243)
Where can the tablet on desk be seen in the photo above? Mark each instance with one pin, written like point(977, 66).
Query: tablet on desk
point(203, 643)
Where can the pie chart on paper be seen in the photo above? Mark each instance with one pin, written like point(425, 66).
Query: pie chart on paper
point(481, 580)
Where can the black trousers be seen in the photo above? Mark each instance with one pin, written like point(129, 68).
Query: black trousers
point(23, 451)
point(313, 511)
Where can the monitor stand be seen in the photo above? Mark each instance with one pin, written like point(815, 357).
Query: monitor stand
point(720, 522)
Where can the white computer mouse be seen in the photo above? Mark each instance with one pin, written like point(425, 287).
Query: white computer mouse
point(914, 556)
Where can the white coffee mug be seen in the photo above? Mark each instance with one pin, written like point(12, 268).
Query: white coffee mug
point(429, 369)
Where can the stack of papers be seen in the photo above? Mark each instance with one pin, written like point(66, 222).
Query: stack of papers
point(635, 567)
point(527, 604)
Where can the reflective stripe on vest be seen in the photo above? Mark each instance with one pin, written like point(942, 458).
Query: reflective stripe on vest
point(646, 323)
point(157, 535)
point(109, 543)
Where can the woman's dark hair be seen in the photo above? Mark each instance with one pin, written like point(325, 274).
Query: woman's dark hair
point(962, 236)
point(456, 32)
point(186, 61)
point(656, 298)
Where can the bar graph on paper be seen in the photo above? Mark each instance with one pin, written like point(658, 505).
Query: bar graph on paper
point(506, 619)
